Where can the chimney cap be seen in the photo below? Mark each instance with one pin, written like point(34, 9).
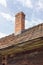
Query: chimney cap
point(20, 13)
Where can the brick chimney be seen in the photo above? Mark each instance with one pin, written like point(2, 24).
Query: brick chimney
point(19, 23)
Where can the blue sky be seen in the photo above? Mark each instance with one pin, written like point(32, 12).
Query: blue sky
point(33, 10)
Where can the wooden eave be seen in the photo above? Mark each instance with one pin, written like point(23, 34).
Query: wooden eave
point(24, 46)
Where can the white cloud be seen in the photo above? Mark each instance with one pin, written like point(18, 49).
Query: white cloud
point(3, 2)
point(7, 16)
point(2, 35)
point(32, 23)
point(26, 3)
point(40, 4)
point(28, 24)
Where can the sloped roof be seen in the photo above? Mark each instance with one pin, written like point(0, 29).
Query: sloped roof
point(26, 35)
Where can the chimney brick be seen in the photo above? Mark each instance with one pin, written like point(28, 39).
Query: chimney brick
point(19, 23)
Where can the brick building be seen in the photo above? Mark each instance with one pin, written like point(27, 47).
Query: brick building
point(24, 47)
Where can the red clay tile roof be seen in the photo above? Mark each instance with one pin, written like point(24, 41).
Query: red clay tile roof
point(29, 34)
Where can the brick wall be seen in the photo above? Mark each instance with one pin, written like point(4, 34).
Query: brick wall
point(33, 58)
point(19, 23)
